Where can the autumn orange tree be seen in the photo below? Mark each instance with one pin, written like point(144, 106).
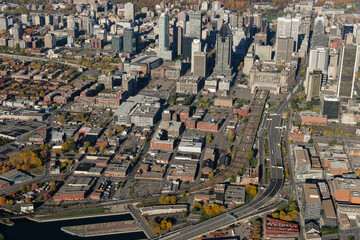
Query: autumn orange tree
point(251, 192)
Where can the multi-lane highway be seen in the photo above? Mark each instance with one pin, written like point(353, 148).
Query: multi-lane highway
point(263, 198)
point(275, 185)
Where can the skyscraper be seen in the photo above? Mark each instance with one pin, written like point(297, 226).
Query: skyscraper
point(348, 61)
point(195, 24)
point(330, 106)
point(289, 27)
point(164, 51)
point(319, 25)
point(3, 23)
point(257, 19)
point(200, 69)
point(117, 43)
point(195, 47)
point(50, 40)
point(314, 84)
point(90, 26)
point(284, 49)
point(48, 19)
point(130, 11)
point(178, 39)
point(216, 5)
point(16, 31)
point(319, 58)
point(128, 41)
point(223, 51)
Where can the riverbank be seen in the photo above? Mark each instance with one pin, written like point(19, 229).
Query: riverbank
point(79, 214)
point(31, 230)
point(101, 229)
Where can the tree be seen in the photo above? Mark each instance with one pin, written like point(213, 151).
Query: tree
point(229, 149)
point(231, 136)
point(253, 162)
point(65, 147)
point(102, 149)
point(173, 200)
point(250, 154)
point(62, 118)
point(209, 138)
point(168, 225)
point(92, 149)
point(162, 200)
point(2, 200)
point(211, 175)
point(275, 215)
point(87, 144)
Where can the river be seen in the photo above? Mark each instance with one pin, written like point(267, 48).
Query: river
point(29, 230)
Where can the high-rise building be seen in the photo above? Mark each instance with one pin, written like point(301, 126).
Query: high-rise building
point(239, 40)
point(70, 40)
point(284, 49)
point(223, 58)
point(182, 17)
point(49, 19)
point(319, 25)
point(129, 41)
point(257, 19)
point(289, 27)
point(348, 63)
point(319, 58)
point(117, 43)
point(283, 27)
point(164, 37)
point(186, 48)
point(330, 106)
point(129, 83)
point(216, 5)
point(312, 202)
point(195, 47)
point(90, 26)
point(130, 11)
point(196, 25)
point(234, 20)
point(16, 31)
point(39, 20)
point(3, 23)
point(200, 68)
point(347, 29)
point(205, 6)
point(25, 19)
point(178, 39)
point(249, 19)
point(50, 40)
point(314, 84)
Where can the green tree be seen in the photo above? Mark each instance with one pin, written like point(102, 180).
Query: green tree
point(65, 147)
point(87, 144)
point(209, 138)
point(250, 154)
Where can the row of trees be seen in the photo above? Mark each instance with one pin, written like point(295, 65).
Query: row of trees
point(161, 224)
point(207, 210)
point(251, 192)
point(257, 231)
point(289, 213)
point(26, 160)
point(168, 200)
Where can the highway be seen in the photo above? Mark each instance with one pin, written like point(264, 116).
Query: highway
point(263, 198)
point(275, 185)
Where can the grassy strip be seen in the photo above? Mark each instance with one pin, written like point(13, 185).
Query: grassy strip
point(74, 213)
